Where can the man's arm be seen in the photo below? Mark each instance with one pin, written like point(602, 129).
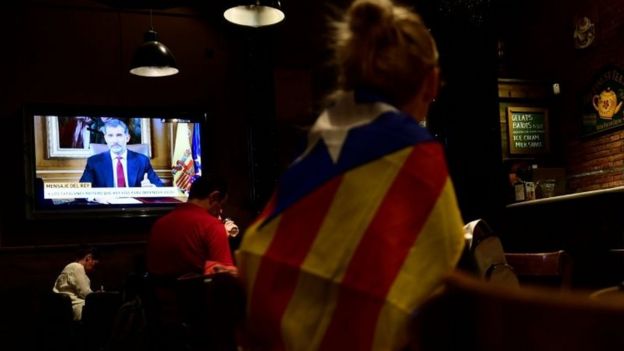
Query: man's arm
point(217, 243)
point(98, 171)
point(152, 176)
point(142, 165)
point(81, 282)
point(88, 175)
point(219, 258)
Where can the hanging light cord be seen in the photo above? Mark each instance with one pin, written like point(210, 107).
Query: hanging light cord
point(151, 23)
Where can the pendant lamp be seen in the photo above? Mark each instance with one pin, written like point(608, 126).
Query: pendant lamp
point(153, 58)
point(255, 13)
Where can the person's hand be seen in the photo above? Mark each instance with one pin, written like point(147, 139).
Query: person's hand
point(145, 182)
point(225, 269)
point(213, 267)
point(231, 228)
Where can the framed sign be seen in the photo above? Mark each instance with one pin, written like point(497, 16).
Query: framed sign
point(602, 105)
point(528, 130)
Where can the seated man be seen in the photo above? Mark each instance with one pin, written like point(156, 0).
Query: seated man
point(119, 167)
point(192, 238)
point(74, 281)
point(189, 241)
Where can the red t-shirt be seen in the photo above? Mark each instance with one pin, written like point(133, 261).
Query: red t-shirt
point(184, 239)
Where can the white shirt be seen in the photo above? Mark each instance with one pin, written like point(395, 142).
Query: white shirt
point(74, 282)
point(124, 159)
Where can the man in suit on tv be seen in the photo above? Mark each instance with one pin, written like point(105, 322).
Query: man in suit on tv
point(119, 167)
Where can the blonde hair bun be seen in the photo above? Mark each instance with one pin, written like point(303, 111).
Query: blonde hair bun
point(385, 47)
point(367, 15)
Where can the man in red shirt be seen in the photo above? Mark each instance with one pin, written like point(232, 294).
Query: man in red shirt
point(191, 238)
point(188, 242)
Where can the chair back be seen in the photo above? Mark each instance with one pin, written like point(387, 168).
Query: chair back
point(140, 148)
point(212, 307)
point(542, 268)
point(57, 308)
point(611, 293)
point(55, 322)
point(163, 326)
point(488, 255)
point(475, 315)
point(98, 317)
point(195, 311)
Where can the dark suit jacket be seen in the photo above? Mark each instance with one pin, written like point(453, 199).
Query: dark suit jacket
point(99, 170)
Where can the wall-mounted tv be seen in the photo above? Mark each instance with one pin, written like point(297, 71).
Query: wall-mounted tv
point(87, 161)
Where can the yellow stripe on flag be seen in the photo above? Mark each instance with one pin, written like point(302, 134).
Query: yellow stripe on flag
point(256, 242)
point(442, 236)
point(310, 310)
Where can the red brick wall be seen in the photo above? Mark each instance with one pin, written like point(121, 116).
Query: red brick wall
point(597, 163)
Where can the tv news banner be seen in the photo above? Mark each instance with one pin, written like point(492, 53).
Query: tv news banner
point(74, 190)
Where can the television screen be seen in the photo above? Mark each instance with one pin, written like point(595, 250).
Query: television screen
point(125, 163)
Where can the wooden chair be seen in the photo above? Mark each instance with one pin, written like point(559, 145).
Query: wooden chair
point(542, 268)
point(475, 315)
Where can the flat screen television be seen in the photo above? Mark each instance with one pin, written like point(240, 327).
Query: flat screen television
point(71, 165)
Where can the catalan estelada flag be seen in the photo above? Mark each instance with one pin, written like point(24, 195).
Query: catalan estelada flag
point(358, 234)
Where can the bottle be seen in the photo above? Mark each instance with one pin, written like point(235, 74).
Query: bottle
point(519, 190)
point(529, 183)
point(529, 191)
point(230, 227)
point(521, 176)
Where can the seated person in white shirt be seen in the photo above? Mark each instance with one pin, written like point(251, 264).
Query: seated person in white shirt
point(74, 281)
point(119, 167)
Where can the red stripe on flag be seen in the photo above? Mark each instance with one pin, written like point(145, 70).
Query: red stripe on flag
point(180, 180)
point(268, 209)
point(279, 269)
point(188, 165)
point(384, 247)
point(184, 180)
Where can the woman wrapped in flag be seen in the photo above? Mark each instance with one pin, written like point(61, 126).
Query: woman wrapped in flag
point(364, 224)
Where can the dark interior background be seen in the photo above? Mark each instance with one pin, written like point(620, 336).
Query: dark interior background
point(261, 88)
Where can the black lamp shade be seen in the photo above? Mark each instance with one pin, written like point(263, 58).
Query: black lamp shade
point(153, 58)
point(254, 13)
